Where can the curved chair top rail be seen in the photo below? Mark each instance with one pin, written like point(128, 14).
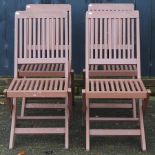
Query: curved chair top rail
point(48, 7)
point(111, 7)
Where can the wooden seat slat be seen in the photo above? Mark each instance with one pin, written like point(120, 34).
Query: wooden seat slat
point(33, 84)
point(115, 85)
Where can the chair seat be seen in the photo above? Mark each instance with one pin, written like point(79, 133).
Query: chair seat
point(37, 87)
point(116, 88)
point(113, 70)
point(33, 70)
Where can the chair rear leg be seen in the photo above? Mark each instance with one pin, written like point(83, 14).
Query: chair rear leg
point(87, 126)
point(66, 124)
point(143, 141)
point(23, 107)
point(13, 124)
point(72, 86)
point(70, 107)
point(134, 108)
point(83, 108)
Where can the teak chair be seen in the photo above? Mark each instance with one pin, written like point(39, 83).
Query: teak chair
point(51, 69)
point(45, 46)
point(112, 70)
point(101, 28)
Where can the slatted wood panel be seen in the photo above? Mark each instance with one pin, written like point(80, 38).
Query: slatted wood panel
point(102, 45)
point(54, 7)
point(37, 87)
point(34, 70)
point(41, 38)
point(110, 7)
point(117, 88)
point(113, 70)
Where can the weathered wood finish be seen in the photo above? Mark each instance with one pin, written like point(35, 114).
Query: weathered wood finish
point(56, 71)
point(32, 47)
point(41, 70)
point(113, 43)
point(41, 46)
point(36, 87)
point(116, 88)
point(49, 8)
point(111, 7)
point(124, 50)
point(115, 71)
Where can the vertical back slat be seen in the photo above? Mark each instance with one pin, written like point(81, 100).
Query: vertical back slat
point(57, 37)
point(110, 38)
point(61, 35)
point(132, 38)
point(30, 37)
point(96, 38)
point(20, 38)
point(52, 38)
point(119, 37)
point(124, 35)
point(38, 35)
point(66, 48)
point(34, 37)
point(47, 37)
point(115, 27)
point(43, 37)
point(105, 37)
point(25, 38)
point(92, 36)
point(101, 37)
point(128, 38)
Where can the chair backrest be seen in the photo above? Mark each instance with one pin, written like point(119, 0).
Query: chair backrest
point(100, 49)
point(111, 7)
point(115, 7)
point(55, 7)
point(41, 38)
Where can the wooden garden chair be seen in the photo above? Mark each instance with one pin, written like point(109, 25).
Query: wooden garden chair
point(100, 49)
point(112, 70)
point(43, 48)
point(50, 69)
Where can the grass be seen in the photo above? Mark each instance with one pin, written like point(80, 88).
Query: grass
point(54, 144)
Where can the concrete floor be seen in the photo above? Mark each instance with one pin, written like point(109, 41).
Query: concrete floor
point(54, 144)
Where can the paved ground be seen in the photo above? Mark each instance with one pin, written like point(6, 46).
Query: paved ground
point(54, 145)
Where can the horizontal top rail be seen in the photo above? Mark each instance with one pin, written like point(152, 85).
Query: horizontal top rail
point(110, 7)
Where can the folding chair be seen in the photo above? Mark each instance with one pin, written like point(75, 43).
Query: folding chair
point(46, 70)
point(102, 47)
point(115, 70)
point(45, 46)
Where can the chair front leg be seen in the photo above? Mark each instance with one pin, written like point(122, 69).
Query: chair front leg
point(87, 125)
point(13, 124)
point(66, 124)
point(142, 130)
